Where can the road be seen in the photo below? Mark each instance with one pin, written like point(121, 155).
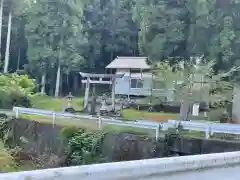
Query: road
point(225, 173)
point(7, 112)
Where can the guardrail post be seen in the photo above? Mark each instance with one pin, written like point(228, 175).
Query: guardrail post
point(54, 118)
point(207, 132)
point(99, 123)
point(17, 112)
point(177, 125)
point(158, 128)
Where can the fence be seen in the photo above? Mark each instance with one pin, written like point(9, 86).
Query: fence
point(220, 166)
point(100, 120)
point(206, 126)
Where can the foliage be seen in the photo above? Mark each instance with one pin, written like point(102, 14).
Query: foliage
point(199, 83)
point(106, 43)
point(202, 84)
point(55, 37)
point(85, 148)
point(168, 141)
point(165, 77)
point(94, 32)
point(14, 90)
point(69, 131)
point(7, 163)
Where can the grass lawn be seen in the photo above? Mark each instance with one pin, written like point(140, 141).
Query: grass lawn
point(56, 104)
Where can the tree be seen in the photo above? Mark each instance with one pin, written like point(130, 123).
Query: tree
point(111, 31)
point(13, 8)
point(161, 28)
point(58, 34)
point(1, 21)
point(201, 84)
point(165, 77)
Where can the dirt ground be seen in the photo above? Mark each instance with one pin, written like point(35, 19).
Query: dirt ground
point(159, 118)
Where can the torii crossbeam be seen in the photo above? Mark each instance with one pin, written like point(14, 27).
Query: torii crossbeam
point(89, 78)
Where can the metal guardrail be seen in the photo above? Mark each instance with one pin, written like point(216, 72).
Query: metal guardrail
point(219, 166)
point(208, 127)
point(100, 120)
point(205, 126)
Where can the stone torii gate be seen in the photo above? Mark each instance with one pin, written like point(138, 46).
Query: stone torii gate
point(89, 78)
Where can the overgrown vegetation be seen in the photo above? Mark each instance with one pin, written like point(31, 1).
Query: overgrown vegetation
point(84, 147)
point(7, 162)
point(9, 153)
point(15, 90)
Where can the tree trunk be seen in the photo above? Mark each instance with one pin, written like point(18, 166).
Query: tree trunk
point(75, 84)
point(58, 80)
point(19, 56)
point(1, 21)
point(185, 105)
point(184, 110)
point(43, 83)
point(67, 81)
point(235, 104)
point(8, 42)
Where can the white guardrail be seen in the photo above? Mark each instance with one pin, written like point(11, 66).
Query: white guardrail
point(220, 166)
point(205, 126)
point(100, 120)
point(208, 127)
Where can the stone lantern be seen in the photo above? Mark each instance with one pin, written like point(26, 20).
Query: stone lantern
point(69, 98)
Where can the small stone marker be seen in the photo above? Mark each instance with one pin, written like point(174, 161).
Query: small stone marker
point(195, 109)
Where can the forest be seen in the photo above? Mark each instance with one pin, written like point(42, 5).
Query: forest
point(53, 40)
point(45, 43)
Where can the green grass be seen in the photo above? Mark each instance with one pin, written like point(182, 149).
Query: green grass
point(90, 125)
point(55, 104)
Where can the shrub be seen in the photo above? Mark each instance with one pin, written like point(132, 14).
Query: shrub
point(85, 148)
point(70, 131)
point(7, 162)
point(15, 89)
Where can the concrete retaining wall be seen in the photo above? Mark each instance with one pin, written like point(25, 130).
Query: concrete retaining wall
point(220, 166)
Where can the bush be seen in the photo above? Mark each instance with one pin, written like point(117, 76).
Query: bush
point(69, 131)
point(14, 90)
point(85, 148)
point(7, 163)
